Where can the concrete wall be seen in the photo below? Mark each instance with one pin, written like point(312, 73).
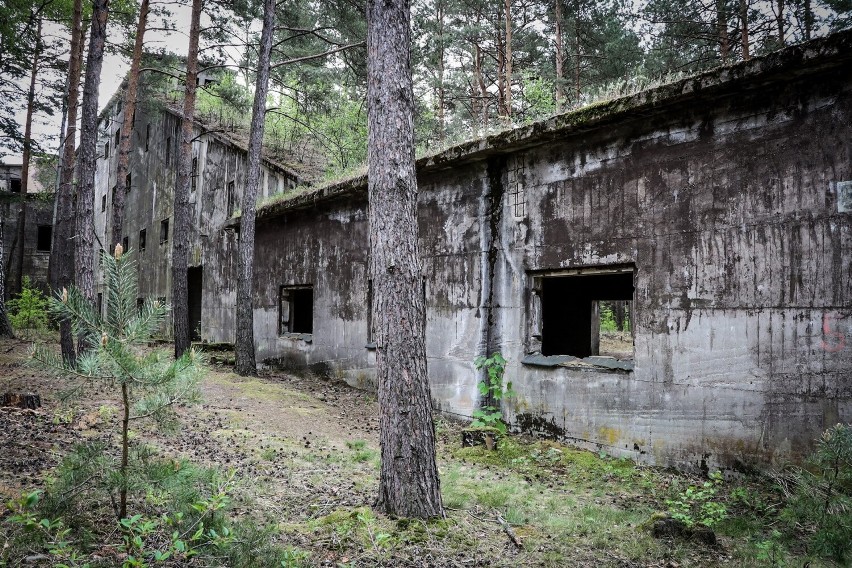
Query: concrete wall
point(727, 204)
point(150, 201)
point(34, 211)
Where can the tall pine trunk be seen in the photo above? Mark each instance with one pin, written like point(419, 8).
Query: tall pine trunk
point(507, 97)
point(5, 327)
point(127, 129)
point(722, 31)
point(182, 213)
point(85, 253)
point(560, 57)
point(26, 160)
point(62, 252)
point(408, 483)
point(744, 29)
point(779, 20)
point(244, 347)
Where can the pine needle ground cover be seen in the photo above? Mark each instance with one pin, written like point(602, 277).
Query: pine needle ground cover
point(290, 464)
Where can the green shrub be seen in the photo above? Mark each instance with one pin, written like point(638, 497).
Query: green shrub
point(822, 499)
point(28, 310)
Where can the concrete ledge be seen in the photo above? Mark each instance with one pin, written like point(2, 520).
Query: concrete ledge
point(584, 363)
point(306, 337)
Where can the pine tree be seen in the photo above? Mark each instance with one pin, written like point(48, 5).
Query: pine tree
point(150, 383)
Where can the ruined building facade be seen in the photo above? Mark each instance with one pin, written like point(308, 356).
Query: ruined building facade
point(219, 169)
point(715, 213)
point(717, 210)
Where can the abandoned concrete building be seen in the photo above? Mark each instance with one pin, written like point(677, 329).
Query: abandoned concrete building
point(27, 228)
point(219, 164)
point(714, 212)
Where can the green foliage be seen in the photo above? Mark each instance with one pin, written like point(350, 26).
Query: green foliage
point(822, 500)
point(699, 504)
point(28, 310)
point(492, 391)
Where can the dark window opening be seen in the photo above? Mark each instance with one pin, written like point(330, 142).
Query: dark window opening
point(231, 199)
point(370, 328)
point(147, 136)
point(587, 314)
point(164, 231)
point(44, 238)
point(15, 185)
point(106, 150)
point(140, 303)
point(125, 243)
point(127, 183)
point(194, 174)
point(142, 235)
point(100, 303)
point(117, 139)
point(296, 309)
point(103, 203)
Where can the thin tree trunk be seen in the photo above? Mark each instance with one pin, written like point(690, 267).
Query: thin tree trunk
point(744, 29)
point(62, 252)
point(722, 31)
point(560, 58)
point(127, 130)
point(408, 483)
point(5, 327)
point(779, 18)
point(809, 20)
point(180, 240)
point(125, 449)
point(441, 63)
point(483, 90)
point(507, 98)
point(26, 159)
point(577, 91)
point(244, 347)
point(85, 254)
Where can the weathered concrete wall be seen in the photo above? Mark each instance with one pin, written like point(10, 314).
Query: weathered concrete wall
point(721, 199)
point(150, 201)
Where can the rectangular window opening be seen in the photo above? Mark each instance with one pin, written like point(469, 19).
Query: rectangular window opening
point(140, 303)
point(15, 185)
point(117, 139)
point(296, 309)
point(232, 199)
point(103, 203)
point(194, 175)
point(587, 314)
point(125, 243)
point(106, 150)
point(142, 235)
point(44, 238)
point(127, 183)
point(164, 231)
point(147, 136)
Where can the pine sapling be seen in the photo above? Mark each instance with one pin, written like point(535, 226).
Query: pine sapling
point(151, 383)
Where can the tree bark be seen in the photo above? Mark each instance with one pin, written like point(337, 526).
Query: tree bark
point(722, 31)
point(744, 29)
point(440, 8)
point(85, 237)
point(26, 158)
point(5, 327)
point(560, 57)
point(127, 130)
point(182, 213)
point(244, 347)
point(61, 270)
point(408, 483)
point(809, 20)
point(507, 98)
point(779, 19)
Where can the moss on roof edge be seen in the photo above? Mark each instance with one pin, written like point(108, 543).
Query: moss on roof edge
point(801, 59)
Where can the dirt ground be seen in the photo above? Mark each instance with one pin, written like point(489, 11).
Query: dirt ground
point(305, 451)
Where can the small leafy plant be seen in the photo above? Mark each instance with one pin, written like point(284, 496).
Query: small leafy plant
point(698, 504)
point(28, 311)
point(492, 392)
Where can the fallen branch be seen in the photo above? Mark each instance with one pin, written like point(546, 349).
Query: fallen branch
point(507, 528)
